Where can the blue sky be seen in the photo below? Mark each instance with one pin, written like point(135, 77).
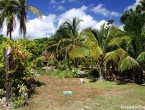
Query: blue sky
point(93, 13)
point(59, 7)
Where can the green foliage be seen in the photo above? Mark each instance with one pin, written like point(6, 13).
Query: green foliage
point(108, 85)
point(41, 44)
point(23, 60)
point(23, 92)
point(10, 9)
point(68, 41)
point(53, 63)
point(2, 38)
point(60, 74)
point(93, 73)
point(128, 63)
point(2, 92)
point(141, 57)
point(18, 103)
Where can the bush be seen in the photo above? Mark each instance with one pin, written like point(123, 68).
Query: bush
point(93, 73)
point(23, 60)
point(61, 74)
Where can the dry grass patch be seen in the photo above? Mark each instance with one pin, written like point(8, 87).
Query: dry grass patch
point(50, 97)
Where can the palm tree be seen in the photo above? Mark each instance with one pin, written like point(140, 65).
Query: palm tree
point(22, 6)
point(102, 37)
point(142, 4)
point(128, 55)
point(69, 43)
point(15, 8)
point(133, 21)
point(125, 15)
point(7, 12)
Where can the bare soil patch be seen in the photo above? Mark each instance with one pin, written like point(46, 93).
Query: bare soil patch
point(50, 94)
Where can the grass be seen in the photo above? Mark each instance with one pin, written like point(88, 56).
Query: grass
point(108, 85)
point(99, 95)
point(119, 95)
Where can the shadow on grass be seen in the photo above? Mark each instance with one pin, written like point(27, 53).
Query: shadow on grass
point(38, 83)
point(93, 80)
point(121, 83)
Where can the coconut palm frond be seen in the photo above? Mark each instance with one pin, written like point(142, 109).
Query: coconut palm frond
point(64, 42)
point(122, 53)
point(52, 48)
point(84, 35)
point(34, 11)
point(141, 57)
point(112, 56)
point(114, 31)
point(117, 41)
point(39, 59)
point(97, 52)
point(128, 63)
point(78, 52)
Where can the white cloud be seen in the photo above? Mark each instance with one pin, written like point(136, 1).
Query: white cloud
point(67, 16)
point(134, 5)
point(63, 1)
point(83, 8)
point(43, 27)
point(103, 11)
point(71, 1)
point(47, 26)
point(53, 1)
point(121, 27)
point(60, 7)
point(98, 24)
point(56, 2)
point(88, 20)
point(36, 28)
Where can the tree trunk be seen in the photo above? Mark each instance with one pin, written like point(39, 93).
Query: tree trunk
point(75, 62)
point(101, 73)
point(10, 35)
point(139, 76)
point(7, 65)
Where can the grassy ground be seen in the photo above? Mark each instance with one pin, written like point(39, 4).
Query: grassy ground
point(100, 95)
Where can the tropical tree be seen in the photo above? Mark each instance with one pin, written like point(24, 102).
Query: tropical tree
point(102, 38)
point(67, 41)
point(142, 5)
point(15, 8)
point(127, 56)
point(132, 43)
point(133, 21)
point(8, 12)
point(22, 62)
point(22, 6)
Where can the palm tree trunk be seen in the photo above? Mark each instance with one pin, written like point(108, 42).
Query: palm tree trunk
point(10, 35)
point(100, 69)
point(75, 63)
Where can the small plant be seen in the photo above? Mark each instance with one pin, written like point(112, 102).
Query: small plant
point(18, 103)
point(23, 92)
point(74, 70)
point(2, 92)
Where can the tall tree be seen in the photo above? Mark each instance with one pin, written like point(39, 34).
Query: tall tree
point(68, 42)
point(102, 38)
point(22, 6)
point(15, 8)
point(8, 12)
point(134, 21)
